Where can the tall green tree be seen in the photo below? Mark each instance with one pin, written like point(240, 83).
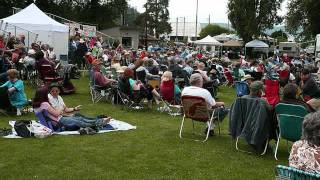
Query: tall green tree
point(251, 17)
point(280, 36)
point(104, 13)
point(302, 19)
point(157, 17)
point(213, 30)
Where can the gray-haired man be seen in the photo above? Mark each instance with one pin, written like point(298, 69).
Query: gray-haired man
point(195, 89)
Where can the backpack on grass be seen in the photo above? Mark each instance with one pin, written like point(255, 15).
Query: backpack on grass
point(22, 128)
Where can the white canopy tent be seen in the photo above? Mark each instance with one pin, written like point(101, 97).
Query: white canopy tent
point(49, 31)
point(208, 42)
point(257, 45)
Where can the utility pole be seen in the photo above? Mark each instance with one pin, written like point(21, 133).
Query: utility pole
point(184, 26)
point(146, 28)
point(209, 19)
point(197, 20)
point(177, 29)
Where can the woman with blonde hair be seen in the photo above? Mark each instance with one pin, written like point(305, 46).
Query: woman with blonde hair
point(15, 90)
point(169, 91)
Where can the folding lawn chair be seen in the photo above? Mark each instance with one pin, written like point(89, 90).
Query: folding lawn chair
point(290, 173)
point(242, 120)
point(242, 88)
point(272, 91)
point(290, 118)
point(97, 92)
point(284, 77)
point(169, 100)
point(229, 78)
point(196, 109)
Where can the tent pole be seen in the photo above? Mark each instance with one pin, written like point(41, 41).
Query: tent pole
point(28, 40)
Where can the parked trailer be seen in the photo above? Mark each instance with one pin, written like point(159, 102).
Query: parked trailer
point(290, 48)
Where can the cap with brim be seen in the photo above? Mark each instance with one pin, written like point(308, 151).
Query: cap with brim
point(247, 77)
point(257, 85)
point(52, 85)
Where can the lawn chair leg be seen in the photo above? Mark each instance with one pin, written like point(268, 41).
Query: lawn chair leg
point(277, 146)
point(208, 132)
point(238, 149)
point(219, 123)
point(182, 123)
point(265, 148)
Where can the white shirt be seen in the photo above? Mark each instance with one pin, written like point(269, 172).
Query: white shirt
point(56, 103)
point(199, 92)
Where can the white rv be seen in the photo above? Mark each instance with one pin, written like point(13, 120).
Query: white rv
point(290, 48)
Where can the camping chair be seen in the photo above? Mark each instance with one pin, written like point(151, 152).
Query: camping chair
point(241, 121)
point(284, 77)
point(97, 92)
point(196, 109)
point(290, 173)
point(290, 118)
point(169, 100)
point(272, 91)
point(229, 78)
point(242, 88)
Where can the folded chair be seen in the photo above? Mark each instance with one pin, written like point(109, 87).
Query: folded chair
point(196, 109)
point(290, 173)
point(290, 118)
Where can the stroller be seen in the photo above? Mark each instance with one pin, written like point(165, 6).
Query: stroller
point(60, 75)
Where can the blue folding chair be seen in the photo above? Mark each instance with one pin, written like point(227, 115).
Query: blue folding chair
point(242, 88)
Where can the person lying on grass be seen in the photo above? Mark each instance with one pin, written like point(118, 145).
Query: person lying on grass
point(57, 102)
point(41, 103)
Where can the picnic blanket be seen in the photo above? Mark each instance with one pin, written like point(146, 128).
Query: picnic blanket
point(114, 125)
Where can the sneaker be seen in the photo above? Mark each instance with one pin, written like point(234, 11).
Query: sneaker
point(211, 132)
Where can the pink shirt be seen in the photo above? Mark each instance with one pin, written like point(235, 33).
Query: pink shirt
point(45, 106)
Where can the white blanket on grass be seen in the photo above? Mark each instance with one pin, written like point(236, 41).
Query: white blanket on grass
point(117, 125)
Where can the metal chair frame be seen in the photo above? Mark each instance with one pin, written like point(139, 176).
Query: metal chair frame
point(210, 120)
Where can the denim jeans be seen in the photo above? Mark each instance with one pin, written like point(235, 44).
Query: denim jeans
point(81, 121)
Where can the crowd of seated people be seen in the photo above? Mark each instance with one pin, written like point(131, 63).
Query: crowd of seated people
point(200, 72)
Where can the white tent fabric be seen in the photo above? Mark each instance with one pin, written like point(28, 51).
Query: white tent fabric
point(256, 44)
point(49, 31)
point(209, 41)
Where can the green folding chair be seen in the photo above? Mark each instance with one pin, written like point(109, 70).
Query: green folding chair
point(289, 173)
point(290, 118)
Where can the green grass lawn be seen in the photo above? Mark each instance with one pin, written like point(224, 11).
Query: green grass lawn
point(152, 151)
